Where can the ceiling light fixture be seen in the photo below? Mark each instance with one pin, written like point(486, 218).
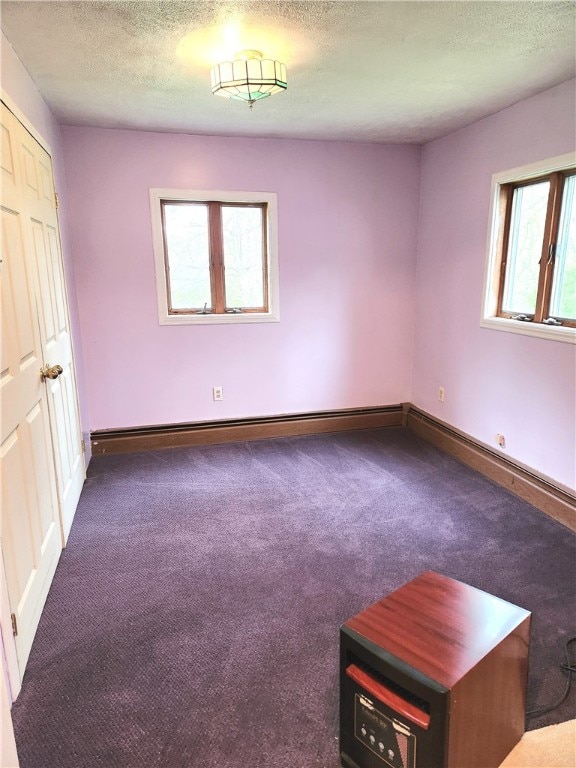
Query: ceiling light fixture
point(248, 78)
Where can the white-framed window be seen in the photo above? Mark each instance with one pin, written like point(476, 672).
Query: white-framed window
point(530, 282)
point(216, 256)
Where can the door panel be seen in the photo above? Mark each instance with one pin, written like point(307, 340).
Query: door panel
point(30, 524)
point(31, 538)
point(54, 327)
point(41, 460)
point(9, 165)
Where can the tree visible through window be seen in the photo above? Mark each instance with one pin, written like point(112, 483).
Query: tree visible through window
point(537, 247)
point(216, 256)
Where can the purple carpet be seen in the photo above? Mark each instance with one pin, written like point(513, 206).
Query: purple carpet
point(194, 617)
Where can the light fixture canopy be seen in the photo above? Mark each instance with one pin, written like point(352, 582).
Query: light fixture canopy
point(248, 78)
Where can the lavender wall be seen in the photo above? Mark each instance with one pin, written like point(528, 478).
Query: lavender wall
point(520, 386)
point(21, 94)
point(347, 245)
point(349, 288)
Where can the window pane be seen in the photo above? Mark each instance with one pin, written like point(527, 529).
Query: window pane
point(525, 247)
point(563, 301)
point(188, 255)
point(242, 234)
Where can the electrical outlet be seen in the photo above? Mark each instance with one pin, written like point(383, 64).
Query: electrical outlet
point(441, 394)
point(500, 440)
point(218, 393)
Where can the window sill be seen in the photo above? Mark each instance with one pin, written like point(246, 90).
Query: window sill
point(552, 332)
point(228, 319)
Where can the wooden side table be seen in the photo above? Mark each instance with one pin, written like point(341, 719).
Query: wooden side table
point(433, 676)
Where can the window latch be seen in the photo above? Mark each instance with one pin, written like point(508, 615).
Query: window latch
point(205, 310)
point(551, 321)
point(551, 254)
point(522, 318)
point(233, 311)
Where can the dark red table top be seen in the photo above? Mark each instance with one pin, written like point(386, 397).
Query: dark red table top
point(438, 625)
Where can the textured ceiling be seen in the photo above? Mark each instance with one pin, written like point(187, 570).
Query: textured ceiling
point(388, 71)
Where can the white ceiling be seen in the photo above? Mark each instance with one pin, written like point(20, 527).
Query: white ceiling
point(381, 71)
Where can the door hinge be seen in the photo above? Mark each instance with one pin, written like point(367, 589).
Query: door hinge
point(56, 200)
point(14, 625)
point(83, 445)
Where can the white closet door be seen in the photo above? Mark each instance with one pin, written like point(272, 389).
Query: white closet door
point(53, 316)
point(31, 533)
point(41, 458)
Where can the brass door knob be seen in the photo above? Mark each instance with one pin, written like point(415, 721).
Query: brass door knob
point(50, 371)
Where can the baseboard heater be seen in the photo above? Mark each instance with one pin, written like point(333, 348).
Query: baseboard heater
point(213, 432)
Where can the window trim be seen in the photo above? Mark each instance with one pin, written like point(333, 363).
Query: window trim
point(492, 274)
point(269, 199)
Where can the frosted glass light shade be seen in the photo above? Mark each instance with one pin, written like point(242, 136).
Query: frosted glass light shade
point(248, 79)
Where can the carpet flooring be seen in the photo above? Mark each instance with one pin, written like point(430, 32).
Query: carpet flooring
point(550, 747)
point(193, 618)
